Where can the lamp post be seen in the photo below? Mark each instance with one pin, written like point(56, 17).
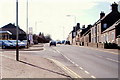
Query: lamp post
point(27, 23)
point(75, 24)
point(17, 48)
point(36, 24)
point(74, 21)
point(63, 32)
point(72, 16)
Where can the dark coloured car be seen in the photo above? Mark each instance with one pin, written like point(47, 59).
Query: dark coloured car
point(67, 42)
point(58, 42)
point(63, 41)
point(52, 43)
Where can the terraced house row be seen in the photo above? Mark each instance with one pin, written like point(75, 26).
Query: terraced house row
point(106, 29)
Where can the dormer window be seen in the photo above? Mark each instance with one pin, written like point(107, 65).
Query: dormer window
point(105, 25)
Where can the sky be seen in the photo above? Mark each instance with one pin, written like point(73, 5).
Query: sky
point(51, 16)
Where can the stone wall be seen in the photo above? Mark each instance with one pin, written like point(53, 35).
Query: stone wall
point(100, 45)
point(96, 45)
point(92, 44)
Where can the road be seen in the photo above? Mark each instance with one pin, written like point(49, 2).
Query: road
point(83, 61)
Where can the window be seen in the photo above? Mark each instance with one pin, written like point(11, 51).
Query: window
point(105, 25)
point(74, 34)
point(106, 37)
point(112, 36)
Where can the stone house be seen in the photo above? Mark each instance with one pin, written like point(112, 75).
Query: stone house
point(5, 35)
point(12, 29)
point(87, 35)
point(70, 38)
point(104, 23)
point(110, 34)
point(72, 35)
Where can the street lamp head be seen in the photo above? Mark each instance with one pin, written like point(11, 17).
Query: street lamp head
point(68, 15)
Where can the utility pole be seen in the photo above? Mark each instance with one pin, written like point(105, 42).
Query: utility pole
point(27, 24)
point(63, 33)
point(17, 48)
point(75, 33)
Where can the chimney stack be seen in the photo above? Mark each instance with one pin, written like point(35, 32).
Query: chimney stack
point(114, 7)
point(102, 14)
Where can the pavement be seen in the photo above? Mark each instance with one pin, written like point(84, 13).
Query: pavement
point(113, 51)
point(36, 47)
point(29, 66)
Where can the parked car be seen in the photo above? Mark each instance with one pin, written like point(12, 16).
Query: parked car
point(6, 44)
point(58, 42)
point(52, 43)
point(24, 41)
point(63, 41)
point(20, 44)
point(67, 42)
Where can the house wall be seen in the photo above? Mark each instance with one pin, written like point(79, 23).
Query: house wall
point(86, 39)
point(4, 36)
point(82, 40)
point(70, 38)
point(74, 41)
point(119, 6)
point(109, 36)
point(98, 32)
point(93, 34)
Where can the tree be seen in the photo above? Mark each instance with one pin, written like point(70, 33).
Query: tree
point(35, 39)
point(40, 34)
point(48, 38)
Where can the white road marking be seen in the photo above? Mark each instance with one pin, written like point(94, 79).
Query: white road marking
point(107, 58)
point(100, 50)
point(69, 71)
point(87, 72)
point(58, 51)
point(74, 63)
point(93, 76)
point(112, 60)
point(81, 68)
point(77, 65)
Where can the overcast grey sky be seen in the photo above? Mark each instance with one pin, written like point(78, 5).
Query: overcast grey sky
point(49, 16)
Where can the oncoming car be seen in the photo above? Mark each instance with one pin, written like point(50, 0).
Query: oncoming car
point(67, 42)
point(52, 43)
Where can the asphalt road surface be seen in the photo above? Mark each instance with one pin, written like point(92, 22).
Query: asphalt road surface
point(85, 62)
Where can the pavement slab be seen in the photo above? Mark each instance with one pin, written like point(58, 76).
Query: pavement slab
point(29, 66)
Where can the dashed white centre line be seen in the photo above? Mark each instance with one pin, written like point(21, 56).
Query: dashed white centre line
point(81, 68)
point(75, 64)
point(112, 60)
point(87, 72)
point(93, 77)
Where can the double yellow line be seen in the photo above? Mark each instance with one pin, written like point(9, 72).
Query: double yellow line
point(66, 69)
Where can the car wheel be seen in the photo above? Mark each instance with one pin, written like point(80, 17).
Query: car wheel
point(3, 47)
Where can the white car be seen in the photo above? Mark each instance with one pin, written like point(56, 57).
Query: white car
point(6, 44)
point(20, 43)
